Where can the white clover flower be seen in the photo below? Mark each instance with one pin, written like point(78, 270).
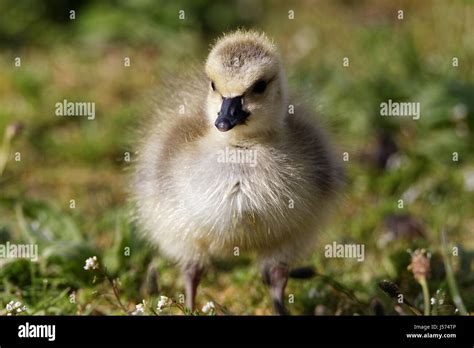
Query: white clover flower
point(208, 307)
point(15, 307)
point(91, 263)
point(162, 303)
point(139, 308)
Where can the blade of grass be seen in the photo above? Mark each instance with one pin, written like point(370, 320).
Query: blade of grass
point(453, 287)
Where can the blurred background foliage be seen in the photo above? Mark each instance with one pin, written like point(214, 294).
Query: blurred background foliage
point(409, 59)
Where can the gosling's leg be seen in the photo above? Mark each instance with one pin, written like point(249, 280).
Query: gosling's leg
point(192, 276)
point(276, 277)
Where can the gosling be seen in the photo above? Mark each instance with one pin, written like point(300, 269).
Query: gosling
point(230, 164)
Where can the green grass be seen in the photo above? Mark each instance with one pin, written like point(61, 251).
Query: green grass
point(65, 158)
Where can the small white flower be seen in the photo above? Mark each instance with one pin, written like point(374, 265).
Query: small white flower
point(139, 308)
point(10, 306)
point(15, 307)
point(91, 263)
point(208, 307)
point(162, 303)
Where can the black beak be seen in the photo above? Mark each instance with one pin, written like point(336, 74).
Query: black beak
point(231, 114)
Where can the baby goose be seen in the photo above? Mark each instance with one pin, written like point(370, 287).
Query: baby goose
point(224, 167)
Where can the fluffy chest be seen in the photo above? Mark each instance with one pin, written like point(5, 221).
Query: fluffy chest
point(234, 188)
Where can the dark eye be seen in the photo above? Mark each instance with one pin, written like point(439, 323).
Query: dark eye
point(259, 87)
point(213, 86)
